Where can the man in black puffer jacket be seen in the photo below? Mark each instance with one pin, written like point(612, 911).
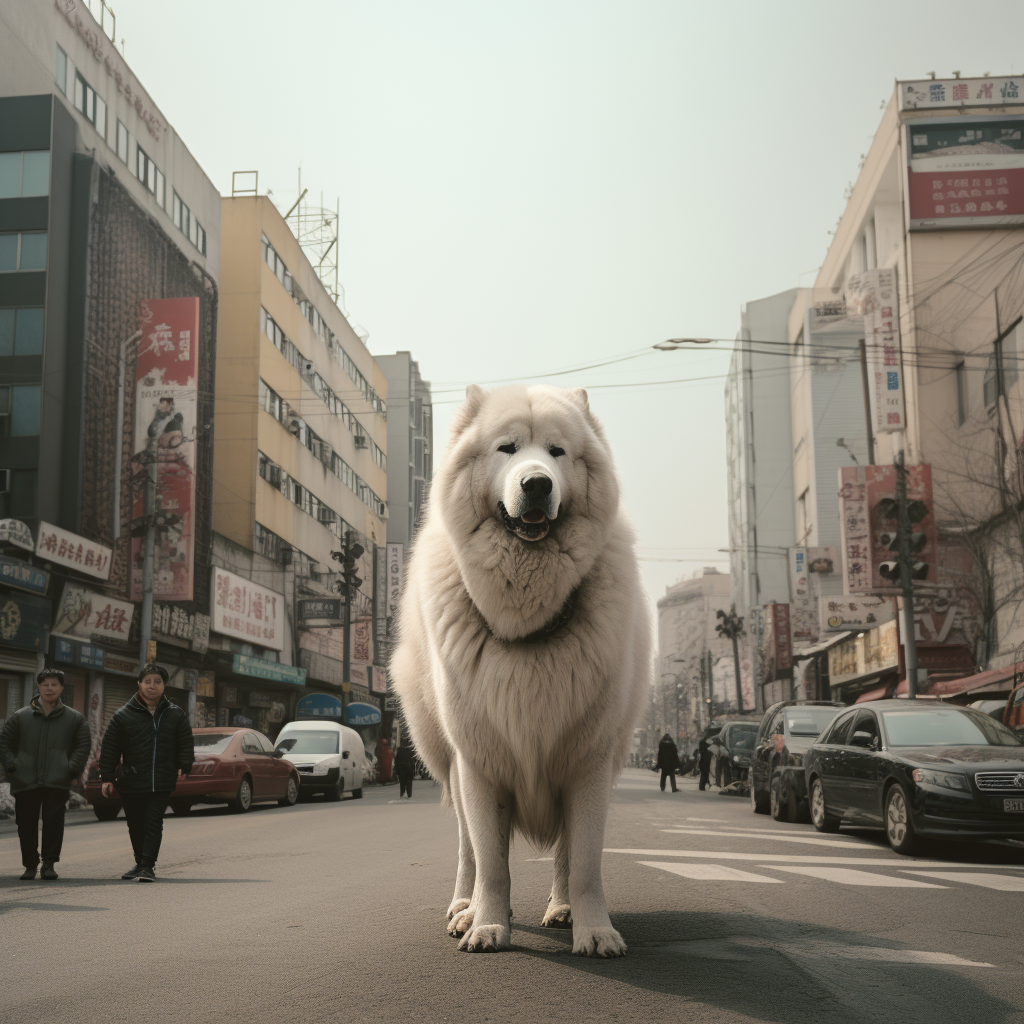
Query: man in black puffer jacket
point(152, 740)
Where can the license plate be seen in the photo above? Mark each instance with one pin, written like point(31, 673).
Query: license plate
point(1013, 805)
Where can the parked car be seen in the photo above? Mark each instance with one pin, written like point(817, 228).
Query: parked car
point(787, 730)
point(730, 752)
point(328, 756)
point(918, 769)
point(233, 766)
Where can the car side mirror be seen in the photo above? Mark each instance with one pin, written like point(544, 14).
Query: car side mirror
point(876, 743)
point(862, 738)
point(278, 753)
point(344, 754)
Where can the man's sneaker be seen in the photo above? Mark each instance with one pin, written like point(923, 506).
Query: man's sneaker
point(133, 873)
point(146, 875)
point(48, 873)
point(28, 874)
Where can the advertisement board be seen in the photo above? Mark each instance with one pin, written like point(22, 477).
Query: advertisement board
point(378, 679)
point(319, 705)
point(260, 668)
point(807, 568)
point(935, 94)
point(875, 650)
point(84, 613)
point(246, 611)
point(844, 614)
point(869, 531)
point(166, 403)
point(776, 661)
point(320, 609)
point(965, 172)
point(17, 533)
point(62, 547)
point(24, 622)
point(22, 576)
point(396, 555)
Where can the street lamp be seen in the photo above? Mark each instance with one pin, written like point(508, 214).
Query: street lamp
point(731, 627)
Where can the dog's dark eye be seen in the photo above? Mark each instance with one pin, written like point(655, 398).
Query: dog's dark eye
point(508, 449)
point(554, 451)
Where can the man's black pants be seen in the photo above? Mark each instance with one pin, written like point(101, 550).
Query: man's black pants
point(145, 814)
point(670, 774)
point(405, 783)
point(27, 806)
point(704, 777)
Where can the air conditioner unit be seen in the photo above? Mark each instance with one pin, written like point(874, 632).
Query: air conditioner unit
point(285, 411)
point(315, 446)
point(5, 481)
point(326, 453)
point(326, 515)
point(294, 424)
point(361, 441)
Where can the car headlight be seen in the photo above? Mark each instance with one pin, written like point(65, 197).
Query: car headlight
point(736, 758)
point(324, 766)
point(949, 780)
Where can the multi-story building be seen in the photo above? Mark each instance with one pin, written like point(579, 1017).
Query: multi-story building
point(102, 207)
point(300, 461)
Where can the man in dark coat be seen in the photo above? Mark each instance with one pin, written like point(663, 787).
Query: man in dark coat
point(405, 768)
point(152, 740)
point(704, 759)
point(42, 748)
point(668, 761)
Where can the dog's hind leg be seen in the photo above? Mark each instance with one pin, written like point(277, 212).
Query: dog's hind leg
point(586, 809)
point(458, 915)
point(488, 816)
point(558, 914)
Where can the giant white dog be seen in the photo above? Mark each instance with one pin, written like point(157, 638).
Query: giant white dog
point(525, 652)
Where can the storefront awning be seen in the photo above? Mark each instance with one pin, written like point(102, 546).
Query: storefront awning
point(822, 645)
point(996, 680)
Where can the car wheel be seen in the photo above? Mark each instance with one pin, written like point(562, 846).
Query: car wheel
point(334, 793)
point(776, 799)
point(758, 804)
point(357, 794)
point(243, 801)
point(108, 812)
point(182, 807)
point(291, 794)
point(820, 818)
point(899, 825)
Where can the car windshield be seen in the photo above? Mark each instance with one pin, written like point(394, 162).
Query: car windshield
point(741, 737)
point(212, 742)
point(808, 721)
point(309, 742)
point(939, 727)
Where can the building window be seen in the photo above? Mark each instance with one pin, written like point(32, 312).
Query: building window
point(145, 169)
point(24, 250)
point(160, 190)
point(60, 71)
point(21, 331)
point(268, 543)
point(20, 499)
point(122, 142)
point(24, 174)
point(19, 410)
point(961, 393)
point(90, 106)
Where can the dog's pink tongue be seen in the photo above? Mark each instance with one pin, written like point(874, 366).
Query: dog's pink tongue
point(535, 515)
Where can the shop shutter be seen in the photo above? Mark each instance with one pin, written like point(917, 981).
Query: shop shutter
point(116, 693)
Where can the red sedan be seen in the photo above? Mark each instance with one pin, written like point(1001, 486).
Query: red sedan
point(235, 766)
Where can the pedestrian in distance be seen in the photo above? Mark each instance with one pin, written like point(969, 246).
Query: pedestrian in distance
point(43, 747)
point(704, 760)
point(668, 761)
point(147, 746)
point(405, 768)
point(384, 757)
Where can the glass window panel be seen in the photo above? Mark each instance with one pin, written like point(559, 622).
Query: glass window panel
point(79, 94)
point(28, 332)
point(60, 71)
point(140, 164)
point(10, 175)
point(101, 117)
point(23, 493)
point(192, 228)
point(9, 252)
point(25, 410)
point(160, 189)
point(33, 250)
point(151, 176)
point(7, 332)
point(122, 142)
point(5, 401)
point(36, 176)
point(90, 104)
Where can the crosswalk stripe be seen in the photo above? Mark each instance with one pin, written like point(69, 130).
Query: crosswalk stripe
point(807, 840)
point(1005, 883)
point(785, 858)
point(709, 872)
point(847, 876)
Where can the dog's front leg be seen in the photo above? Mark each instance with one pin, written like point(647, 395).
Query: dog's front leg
point(586, 809)
point(459, 916)
point(558, 914)
point(488, 818)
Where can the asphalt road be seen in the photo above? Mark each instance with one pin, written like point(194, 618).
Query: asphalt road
point(335, 912)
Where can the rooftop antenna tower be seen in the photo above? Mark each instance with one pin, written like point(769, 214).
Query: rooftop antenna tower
point(316, 228)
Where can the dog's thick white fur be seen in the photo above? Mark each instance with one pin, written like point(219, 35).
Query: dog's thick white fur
point(525, 653)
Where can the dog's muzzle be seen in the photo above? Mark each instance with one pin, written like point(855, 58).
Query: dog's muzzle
point(535, 506)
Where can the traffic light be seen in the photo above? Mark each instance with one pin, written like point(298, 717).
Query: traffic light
point(886, 513)
point(351, 552)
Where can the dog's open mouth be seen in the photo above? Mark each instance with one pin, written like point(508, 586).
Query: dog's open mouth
point(531, 525)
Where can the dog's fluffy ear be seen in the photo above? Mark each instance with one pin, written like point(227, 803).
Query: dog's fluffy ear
point(466, 412)
point(579, 396)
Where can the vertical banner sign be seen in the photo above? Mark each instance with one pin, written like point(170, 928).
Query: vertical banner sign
point(395, 561)
point(873, 297)
point(380, 583)
point(807, 567)
point(166, 399)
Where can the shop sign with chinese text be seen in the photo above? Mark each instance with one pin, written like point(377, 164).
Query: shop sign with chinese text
point(776, 644)
point(68, 549)
point(395, 565)
point(22, 576)
point(14, 531)
point(246, 611)
point(166, 403)
point(72, 652)
point(378, 679)
point(320, 609)
point(875, 650)
point(934, 94)
point(84, 613)
point(843, 614)
point(246, 665)
point(807, 567)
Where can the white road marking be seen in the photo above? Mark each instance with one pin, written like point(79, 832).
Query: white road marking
point(710, 872)
point(763, 858)
point(847, 876)
point(723, 821)
point(1005, 883)
point(530, 860)
point(806, 839)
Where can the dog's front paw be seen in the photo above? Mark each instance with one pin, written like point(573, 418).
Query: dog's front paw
point(606, 942)
point(486, 938)
point(462, 921)
point(456, 907)
point(558, 916)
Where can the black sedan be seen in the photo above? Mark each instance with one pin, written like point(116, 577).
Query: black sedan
point(917, 769)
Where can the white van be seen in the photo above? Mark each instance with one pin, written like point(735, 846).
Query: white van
point(327, 755)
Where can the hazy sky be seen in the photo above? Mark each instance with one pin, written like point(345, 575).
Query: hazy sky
point(535, 186)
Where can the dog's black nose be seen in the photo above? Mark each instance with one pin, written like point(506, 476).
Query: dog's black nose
point(537, 486)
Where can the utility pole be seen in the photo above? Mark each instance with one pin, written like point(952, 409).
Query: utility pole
point(731, 626)
point(149, 538)
point(348, 586)
point(903, 545)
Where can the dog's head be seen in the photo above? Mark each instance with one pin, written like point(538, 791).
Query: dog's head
point(528, 477)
